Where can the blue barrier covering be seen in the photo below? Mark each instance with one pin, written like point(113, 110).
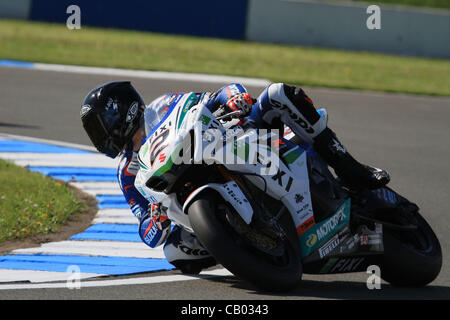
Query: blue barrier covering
point(16, 64)
point(110, 232)
point(108, 236)
point(222, 19)
point(112, 201)
point(78, 174)
point(113, 228)
point(115, 232)
point(14, 145)
point(101, 265)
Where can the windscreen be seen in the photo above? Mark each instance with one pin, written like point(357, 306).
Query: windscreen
point(156, 111)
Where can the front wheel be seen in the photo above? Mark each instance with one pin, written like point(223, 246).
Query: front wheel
point(211, 226)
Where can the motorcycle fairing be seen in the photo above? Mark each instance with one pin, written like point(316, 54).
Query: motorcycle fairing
point(231, 193)
point(162, 145)
point(287, 181)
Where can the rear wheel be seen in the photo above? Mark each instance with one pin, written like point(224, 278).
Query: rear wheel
point(248, 257)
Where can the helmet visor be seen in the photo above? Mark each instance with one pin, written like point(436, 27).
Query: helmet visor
point(99, 132)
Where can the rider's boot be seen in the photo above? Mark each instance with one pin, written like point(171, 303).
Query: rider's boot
point(353, 173)
point(297, 111)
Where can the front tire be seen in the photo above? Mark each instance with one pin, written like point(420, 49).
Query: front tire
point(243, 261)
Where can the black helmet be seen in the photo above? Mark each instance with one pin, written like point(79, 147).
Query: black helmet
point(111, 115)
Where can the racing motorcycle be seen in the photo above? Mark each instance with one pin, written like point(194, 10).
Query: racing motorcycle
point(268, 208)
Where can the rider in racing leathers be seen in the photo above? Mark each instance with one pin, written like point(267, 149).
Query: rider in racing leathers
point(113, 116)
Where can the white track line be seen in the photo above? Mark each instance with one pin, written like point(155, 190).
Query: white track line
point(121, 282)
point(128, 220)
point(176, 76)
point(121, 216)
point(43, 160)
point(59, 160)
point(8, 275)
point(116, 213)
point(96, 185)
point(96, 248)
point(95, 188)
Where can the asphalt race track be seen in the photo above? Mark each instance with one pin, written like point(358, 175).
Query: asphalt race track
point(407, 135)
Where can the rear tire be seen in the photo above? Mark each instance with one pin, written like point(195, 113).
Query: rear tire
point(220, 240)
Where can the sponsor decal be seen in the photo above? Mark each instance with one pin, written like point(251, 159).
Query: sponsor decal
point(364, 240)
point(130, 167)
point(204, 119)
point(285, 183)
point(131, 114)
point(233, 195)
point(189, 251)
point(232, 90)
point(336, 265)
point(312, 239)
point(339, 147)
point(324, 229)
point(151, 233)
point(277, 143)
point(330, 224)
point(85, 109)
point(347, 265)
point(294, 116)
point(191, 100)
point(304, 212)
point(305, 226)
point(158, 144)
point(329, 246)
point(162, 157)
point(299, 198)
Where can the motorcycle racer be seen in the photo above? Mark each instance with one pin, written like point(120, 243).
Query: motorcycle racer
point(117, 121)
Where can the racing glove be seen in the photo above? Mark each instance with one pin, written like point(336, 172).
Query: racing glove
point(242, 102)
point(155, 225)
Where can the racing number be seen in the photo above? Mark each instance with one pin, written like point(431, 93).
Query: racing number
point(157, 145)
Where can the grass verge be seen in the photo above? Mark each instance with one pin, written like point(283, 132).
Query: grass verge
point(54, 43)
point(33, 206)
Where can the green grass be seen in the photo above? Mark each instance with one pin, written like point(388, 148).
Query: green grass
point(32, 204)
point(54, 43)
